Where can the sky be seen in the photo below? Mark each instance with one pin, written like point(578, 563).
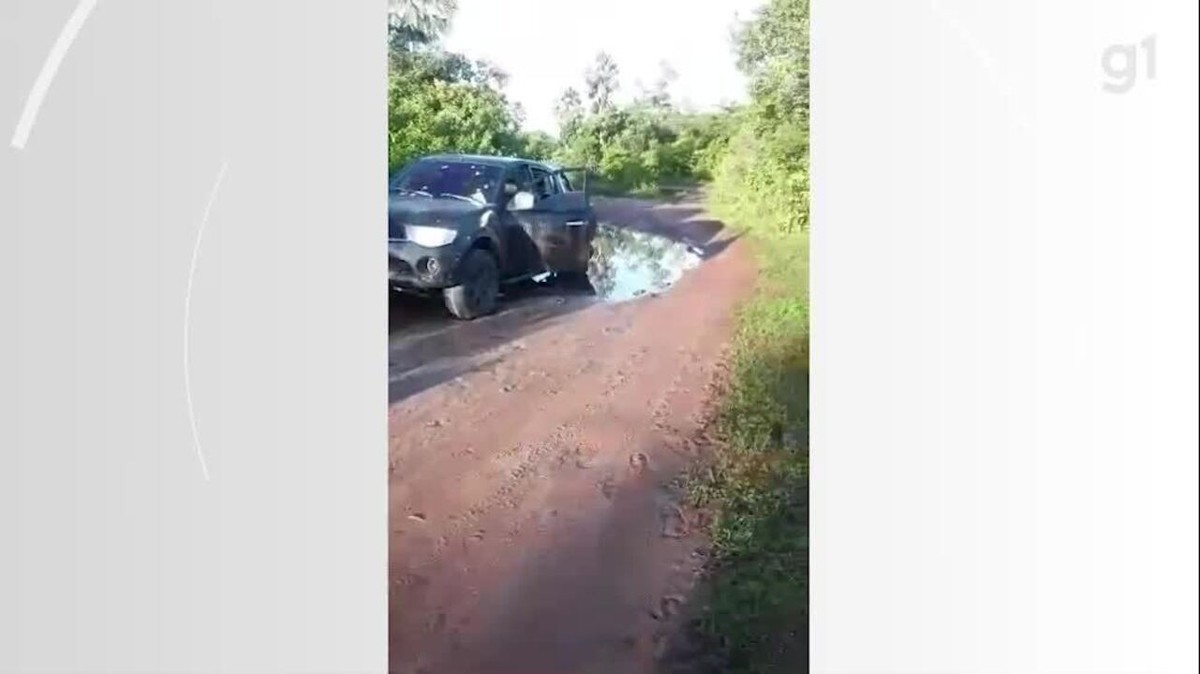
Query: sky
point(545, 47)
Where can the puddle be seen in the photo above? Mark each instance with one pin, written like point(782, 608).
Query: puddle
point(628, 264)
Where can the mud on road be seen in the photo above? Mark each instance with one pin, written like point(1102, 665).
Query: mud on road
point(533, 456)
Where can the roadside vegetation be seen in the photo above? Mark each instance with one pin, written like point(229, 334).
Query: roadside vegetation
point(758, 481)
point(752, 161)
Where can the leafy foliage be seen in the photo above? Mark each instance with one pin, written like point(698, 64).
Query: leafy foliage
point(438, 115)
point(440, 101)
point(413, 23)
point(536, 145)
point(773, 51)
point(763, 177)
point(640, 146)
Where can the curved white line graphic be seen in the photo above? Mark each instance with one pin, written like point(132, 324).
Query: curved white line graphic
point(49, 69)
point(187, 321)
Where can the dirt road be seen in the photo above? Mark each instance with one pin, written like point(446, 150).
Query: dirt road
point(533, 456)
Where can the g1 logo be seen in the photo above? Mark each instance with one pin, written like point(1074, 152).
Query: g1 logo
point(1120, 63)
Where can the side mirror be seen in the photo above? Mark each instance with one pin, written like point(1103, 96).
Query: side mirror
point(522, 201)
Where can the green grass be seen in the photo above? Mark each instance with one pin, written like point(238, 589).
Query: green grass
point(756, 482)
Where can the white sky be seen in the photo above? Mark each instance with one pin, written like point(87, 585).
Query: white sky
point(545, 47)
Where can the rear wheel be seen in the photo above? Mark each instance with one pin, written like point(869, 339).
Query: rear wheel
point(476, 295)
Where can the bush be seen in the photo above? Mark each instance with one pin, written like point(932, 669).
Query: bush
point(643, 148)
point(442, 102)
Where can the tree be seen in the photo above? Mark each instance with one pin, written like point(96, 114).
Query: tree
point(416, 23)
point(440, 101)
point(602, 83)
point(773, 53)
point(426, 117)
point(537, 145)
point(569, 112)
point(659, 96)
point(638, 146)
point(762, 177)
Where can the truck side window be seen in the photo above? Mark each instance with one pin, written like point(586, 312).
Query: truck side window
point(520, 176)
point(543, 184)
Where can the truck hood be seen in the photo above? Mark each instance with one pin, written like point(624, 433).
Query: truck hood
point(444, 212)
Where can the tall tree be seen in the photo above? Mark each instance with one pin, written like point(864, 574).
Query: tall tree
point(602, 83)
point(773, 52)
point(659, 96)
point(415, 23)
point(568, 111)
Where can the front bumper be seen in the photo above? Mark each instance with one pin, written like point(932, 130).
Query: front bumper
point(413, 267)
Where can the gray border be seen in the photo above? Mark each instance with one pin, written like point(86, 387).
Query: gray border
point(119, 555)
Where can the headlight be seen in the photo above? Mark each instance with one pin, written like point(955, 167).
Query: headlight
point(430, 237)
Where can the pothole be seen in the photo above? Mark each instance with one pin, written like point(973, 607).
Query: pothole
point(627, 264)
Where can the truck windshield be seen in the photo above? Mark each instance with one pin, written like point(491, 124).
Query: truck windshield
point(437, 179)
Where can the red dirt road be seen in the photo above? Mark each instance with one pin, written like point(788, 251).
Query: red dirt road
point(533, 462)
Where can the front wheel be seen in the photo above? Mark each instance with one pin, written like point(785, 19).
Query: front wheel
point(476, 295)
